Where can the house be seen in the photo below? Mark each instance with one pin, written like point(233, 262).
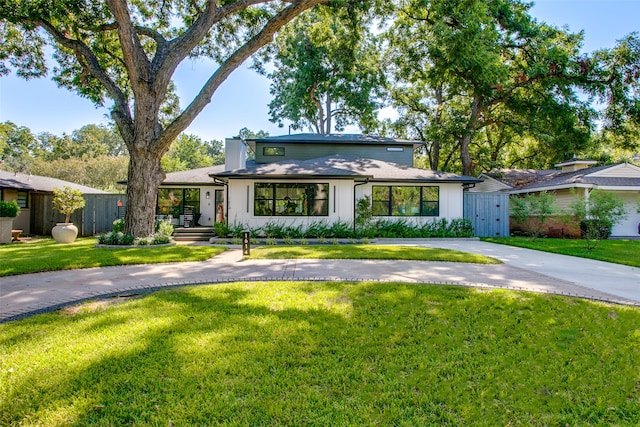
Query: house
point(33, 194)
point(306, 178)
point(191, 195)
point(575, 179)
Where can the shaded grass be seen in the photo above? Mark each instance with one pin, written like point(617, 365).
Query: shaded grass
point(284, 353)
point(369, 252)
point(626, 252)
point(47, 255)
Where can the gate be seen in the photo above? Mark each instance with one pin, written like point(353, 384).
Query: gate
point(100, 211)
point(488, 212)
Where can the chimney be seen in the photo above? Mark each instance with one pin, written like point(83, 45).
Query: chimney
point(235, 154)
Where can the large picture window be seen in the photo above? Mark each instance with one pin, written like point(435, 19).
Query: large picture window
point(406, 201)
point(291, 199)
point(175, 201)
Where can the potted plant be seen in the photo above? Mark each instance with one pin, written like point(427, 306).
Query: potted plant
point(66, 201)
point(8, 211)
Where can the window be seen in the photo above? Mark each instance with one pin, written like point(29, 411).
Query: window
point(23, 199)
point(273, 151)
point(173, 201)
point(398, 149)
point(291, 199)
point(406, 201)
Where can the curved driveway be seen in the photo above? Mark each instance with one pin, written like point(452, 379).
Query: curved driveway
point(523, 269)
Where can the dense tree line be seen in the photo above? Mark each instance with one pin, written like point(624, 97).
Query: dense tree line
point(93, 155)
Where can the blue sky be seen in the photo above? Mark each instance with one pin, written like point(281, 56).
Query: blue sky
point(242, 100)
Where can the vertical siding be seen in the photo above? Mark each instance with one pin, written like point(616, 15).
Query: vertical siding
point(488, 212)
point(99, 212)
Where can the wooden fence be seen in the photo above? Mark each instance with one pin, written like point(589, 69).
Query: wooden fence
point(488, 212)
point(96, 217)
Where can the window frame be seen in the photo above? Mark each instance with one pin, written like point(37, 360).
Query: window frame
point(278, 151)
point(25, 204)
point(268, 200)
point(388, 206)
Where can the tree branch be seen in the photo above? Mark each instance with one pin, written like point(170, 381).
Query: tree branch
point(264, 37)
point(135, 58)
point(90, 63)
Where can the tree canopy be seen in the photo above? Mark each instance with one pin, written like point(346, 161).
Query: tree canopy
point(126, 53)
point(326, 71)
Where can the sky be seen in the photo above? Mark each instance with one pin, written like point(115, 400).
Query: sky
point(242, 100)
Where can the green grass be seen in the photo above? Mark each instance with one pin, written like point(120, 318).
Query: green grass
point(368, 252)
point(47, 255)
point(626, 252)
point(284, 353)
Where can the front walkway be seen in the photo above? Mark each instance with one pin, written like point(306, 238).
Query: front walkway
point(524, 269)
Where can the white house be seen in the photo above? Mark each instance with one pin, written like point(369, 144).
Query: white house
point(301, 179)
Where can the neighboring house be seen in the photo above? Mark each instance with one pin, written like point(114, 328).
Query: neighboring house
point(575, 179)
point(30, 192)
point(306, 178)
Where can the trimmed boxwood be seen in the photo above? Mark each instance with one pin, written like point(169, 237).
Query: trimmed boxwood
point(9, 209)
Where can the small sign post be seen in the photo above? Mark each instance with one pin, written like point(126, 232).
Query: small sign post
point(246, 245)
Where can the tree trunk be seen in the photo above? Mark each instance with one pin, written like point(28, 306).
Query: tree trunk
point(144, 177)
point(435, 147)
point(465, 157)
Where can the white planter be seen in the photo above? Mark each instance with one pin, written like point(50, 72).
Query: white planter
point(6, 224)
point(64, 232)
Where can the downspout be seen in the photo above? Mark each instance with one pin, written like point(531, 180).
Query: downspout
point(366, 181)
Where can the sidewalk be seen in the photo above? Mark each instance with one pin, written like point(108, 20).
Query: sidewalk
point(523, 269)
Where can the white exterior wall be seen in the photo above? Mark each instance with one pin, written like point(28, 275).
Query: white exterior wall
point(242, 194)
point(341, 203)
point(628, 227)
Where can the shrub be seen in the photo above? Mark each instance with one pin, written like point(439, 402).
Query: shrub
point(9, 209)
point(534, 210)
point(116, 238)
point(598, 215)
point(118, 226)
point(164, 228)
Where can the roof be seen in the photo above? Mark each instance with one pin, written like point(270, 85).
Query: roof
point(345, 167)
point(588, 177)
point(24, 182)
point(518, 178)
point(193, 176)
point(342, 138)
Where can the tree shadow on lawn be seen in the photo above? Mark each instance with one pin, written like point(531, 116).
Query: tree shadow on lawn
point(326, 353)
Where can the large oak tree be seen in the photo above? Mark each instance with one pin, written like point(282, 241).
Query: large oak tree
point(128, 52)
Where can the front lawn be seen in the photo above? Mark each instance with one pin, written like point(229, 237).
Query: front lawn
point(625, 252)
point(285, 353)
point(368, 252)
point(47, 255)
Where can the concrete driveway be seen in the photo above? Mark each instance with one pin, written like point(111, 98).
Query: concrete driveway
point(523, 269)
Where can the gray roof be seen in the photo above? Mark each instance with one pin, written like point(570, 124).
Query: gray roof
point(314, 138)
point(193, 176)
point(518, 178)
point(345, 167)
point(529, 179)
point(25, 182)
point(581, 177)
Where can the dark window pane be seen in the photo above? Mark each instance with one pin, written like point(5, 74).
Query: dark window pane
point(23, 199)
